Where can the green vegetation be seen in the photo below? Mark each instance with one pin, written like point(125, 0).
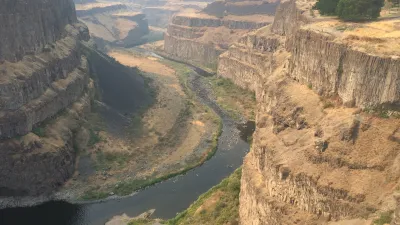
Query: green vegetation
point(351, 10)
point(328, 104)
point(39, 131)
point(106, 160)
point(94, 138)
point(359, 10)
point(93, 195)
point(234, 99)
point(141, 221)
point(326, 7)
point(395, 3)
point(128, 186)
point(385, 218)
point(219, 205)
point(382, 112)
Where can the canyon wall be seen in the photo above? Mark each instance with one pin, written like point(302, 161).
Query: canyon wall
point(331, 68)
point(202, 36)
point(314, 160)
point(28, 26)
point(44, 80)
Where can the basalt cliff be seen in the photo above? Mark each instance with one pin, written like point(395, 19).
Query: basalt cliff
point(200, 37)
point(44, 91)
point(326, 147)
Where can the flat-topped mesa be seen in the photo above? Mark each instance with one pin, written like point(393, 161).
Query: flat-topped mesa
point(202, 36)
point(43, 72)
point(28, 26)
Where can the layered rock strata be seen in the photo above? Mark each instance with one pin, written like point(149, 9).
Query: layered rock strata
point(28, 26)
point(333, 68)
point(43, 73)
point(314, 160)
point(203, 36)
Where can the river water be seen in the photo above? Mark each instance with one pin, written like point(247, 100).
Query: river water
point(167, 198)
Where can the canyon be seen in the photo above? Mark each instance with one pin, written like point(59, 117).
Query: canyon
point(88, 125)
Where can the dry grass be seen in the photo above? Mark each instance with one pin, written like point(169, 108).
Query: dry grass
point(380, 37)
point(124, 26)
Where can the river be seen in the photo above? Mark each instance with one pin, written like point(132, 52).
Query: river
point(167, 198)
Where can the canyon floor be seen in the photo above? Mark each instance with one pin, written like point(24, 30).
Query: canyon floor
point(172, 135)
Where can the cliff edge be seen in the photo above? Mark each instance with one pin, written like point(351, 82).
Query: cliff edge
point(44, 90)
point(326, 146)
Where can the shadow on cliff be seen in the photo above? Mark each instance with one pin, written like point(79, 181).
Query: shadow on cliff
point(121, 92)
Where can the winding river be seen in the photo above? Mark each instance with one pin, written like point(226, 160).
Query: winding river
point(167, 198)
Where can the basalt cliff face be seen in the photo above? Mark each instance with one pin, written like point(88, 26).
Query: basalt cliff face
point(44, 88)
point(203, 36)
point(314, 159)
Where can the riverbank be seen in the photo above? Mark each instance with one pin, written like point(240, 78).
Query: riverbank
point(219, 205)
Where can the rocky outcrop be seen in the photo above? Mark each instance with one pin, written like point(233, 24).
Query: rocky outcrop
point(313, 159)
point(215, 22)
point(28, 26)
point(44, 88)
point(324, 62)
point(34, 165)
point(331, 68)
point(39, 86)
point(202, 37)
point(248, 60)
point(203, 53)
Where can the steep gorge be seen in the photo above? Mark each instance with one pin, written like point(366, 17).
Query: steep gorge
point(44, 81)
point(314, 159)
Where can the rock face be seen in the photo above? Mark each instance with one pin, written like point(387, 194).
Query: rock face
point(314, 161)
point(247, 60)
point(332, 68)
point(28, 26)
point(203, 36)
point(43, 73)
